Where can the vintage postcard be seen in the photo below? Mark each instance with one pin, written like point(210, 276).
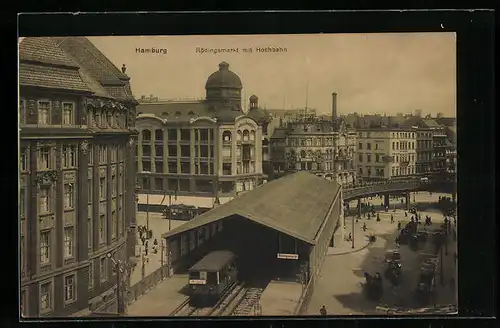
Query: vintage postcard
point(238, 175)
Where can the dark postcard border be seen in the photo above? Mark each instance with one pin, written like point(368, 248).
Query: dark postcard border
point(475, 114)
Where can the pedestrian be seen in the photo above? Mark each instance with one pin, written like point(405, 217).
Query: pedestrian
point(155, 246)
point(406, 214)
point(323, 311)
point(350, 237)
point(146, 248)
point(392, 218)
point(143, 240)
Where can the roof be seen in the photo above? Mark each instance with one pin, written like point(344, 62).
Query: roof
point(259, 114)
point(86, 54)
point(44, 51)
point(223, 78)
point(296, 205)
point(213, 261)
point(431, 123)
point(43, 64)
point(176, 111)
point(51, 77)
point(279, 133)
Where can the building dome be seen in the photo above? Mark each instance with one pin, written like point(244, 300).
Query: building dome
point(224, 78)
point(254, 98)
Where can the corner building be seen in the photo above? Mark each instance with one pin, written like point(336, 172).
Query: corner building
point(385, 153)
point(204, 148)
point(77, 202)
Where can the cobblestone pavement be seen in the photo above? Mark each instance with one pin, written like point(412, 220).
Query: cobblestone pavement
point(339, 284)
point(159, 226)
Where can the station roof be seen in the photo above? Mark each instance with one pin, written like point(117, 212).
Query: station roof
point(214, 261)
point(296, 205)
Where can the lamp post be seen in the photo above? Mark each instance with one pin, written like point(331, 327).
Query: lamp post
point(117, 265)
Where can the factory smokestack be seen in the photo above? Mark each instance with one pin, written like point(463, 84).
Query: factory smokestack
point(334, 106)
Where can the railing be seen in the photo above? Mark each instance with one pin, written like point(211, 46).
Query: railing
point(143, 286)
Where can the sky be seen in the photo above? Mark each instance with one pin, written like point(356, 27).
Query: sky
point(371, 73)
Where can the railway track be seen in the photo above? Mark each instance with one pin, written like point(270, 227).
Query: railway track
point(247, 302)
point(185, 309)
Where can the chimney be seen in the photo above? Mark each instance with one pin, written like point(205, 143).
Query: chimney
point(334, 106)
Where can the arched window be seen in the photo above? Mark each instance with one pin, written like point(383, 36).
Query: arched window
point(239, 135)
point(226, 136)
point(265, 142)
point(177, 113)
point(246, 135)
point(164, 115)
point(303, 154)
point(158, 134)
point(252, 135)
point(146, 135)
point(191, 113)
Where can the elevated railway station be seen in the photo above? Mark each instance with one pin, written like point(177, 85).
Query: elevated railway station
point(280, 230)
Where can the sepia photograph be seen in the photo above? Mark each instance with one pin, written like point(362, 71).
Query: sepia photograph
point(238, 175)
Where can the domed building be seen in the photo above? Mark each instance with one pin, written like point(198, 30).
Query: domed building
point(208, 147)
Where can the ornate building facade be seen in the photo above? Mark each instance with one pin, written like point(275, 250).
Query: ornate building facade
point(316, 146)
point(206, 148)
point(77, 179)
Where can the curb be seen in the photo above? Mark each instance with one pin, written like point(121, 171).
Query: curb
point(350, 252)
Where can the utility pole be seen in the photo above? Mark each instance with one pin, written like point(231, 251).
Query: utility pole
point(147, 214)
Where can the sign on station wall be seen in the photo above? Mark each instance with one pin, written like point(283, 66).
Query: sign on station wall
point(286, 256)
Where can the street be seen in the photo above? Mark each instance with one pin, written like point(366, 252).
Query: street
point(158, 225)
point(339, 285)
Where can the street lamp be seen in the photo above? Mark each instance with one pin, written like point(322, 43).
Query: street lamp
point(119, 283)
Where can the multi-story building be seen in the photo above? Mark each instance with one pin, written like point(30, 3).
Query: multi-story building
point(207, 148)
point(76, 201)
point(308, 143)
point(425, 151)
point(440, 144)
point(385, 153)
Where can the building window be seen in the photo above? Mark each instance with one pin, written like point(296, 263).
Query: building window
point(90, 231)
point(102, 154)
point(91, 275)
point(159, 167)
point(360, 158)
point(69, 196)
point(91, 154)
point(68, 113)
point(22, 112)
point(46, 297)
point(102, 228)
point(69, 156)
point(158, 184)
point(146, 135)
point(113, 224)
point(377, 158)
point(368, 146)
point(114, 186)
point(23, 303)
point(376, 146)
point(22, 249)
point(103, 269)
point(23, 159)
point(22, 203)
point(45, 199)
point(360, 145)
point(45, 247)
point(69, 289)
point(102, 188)
point(68, 241)
point(226, 136)
point(44, 112)
point(146, 166)
point(44, 160)
point(226, 169)
point(368, 158)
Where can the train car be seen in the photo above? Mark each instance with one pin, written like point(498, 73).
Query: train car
point(211, 277)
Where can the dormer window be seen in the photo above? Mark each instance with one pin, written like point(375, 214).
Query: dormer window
point(164, 115)
point(178, 113)
point(191, 113)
